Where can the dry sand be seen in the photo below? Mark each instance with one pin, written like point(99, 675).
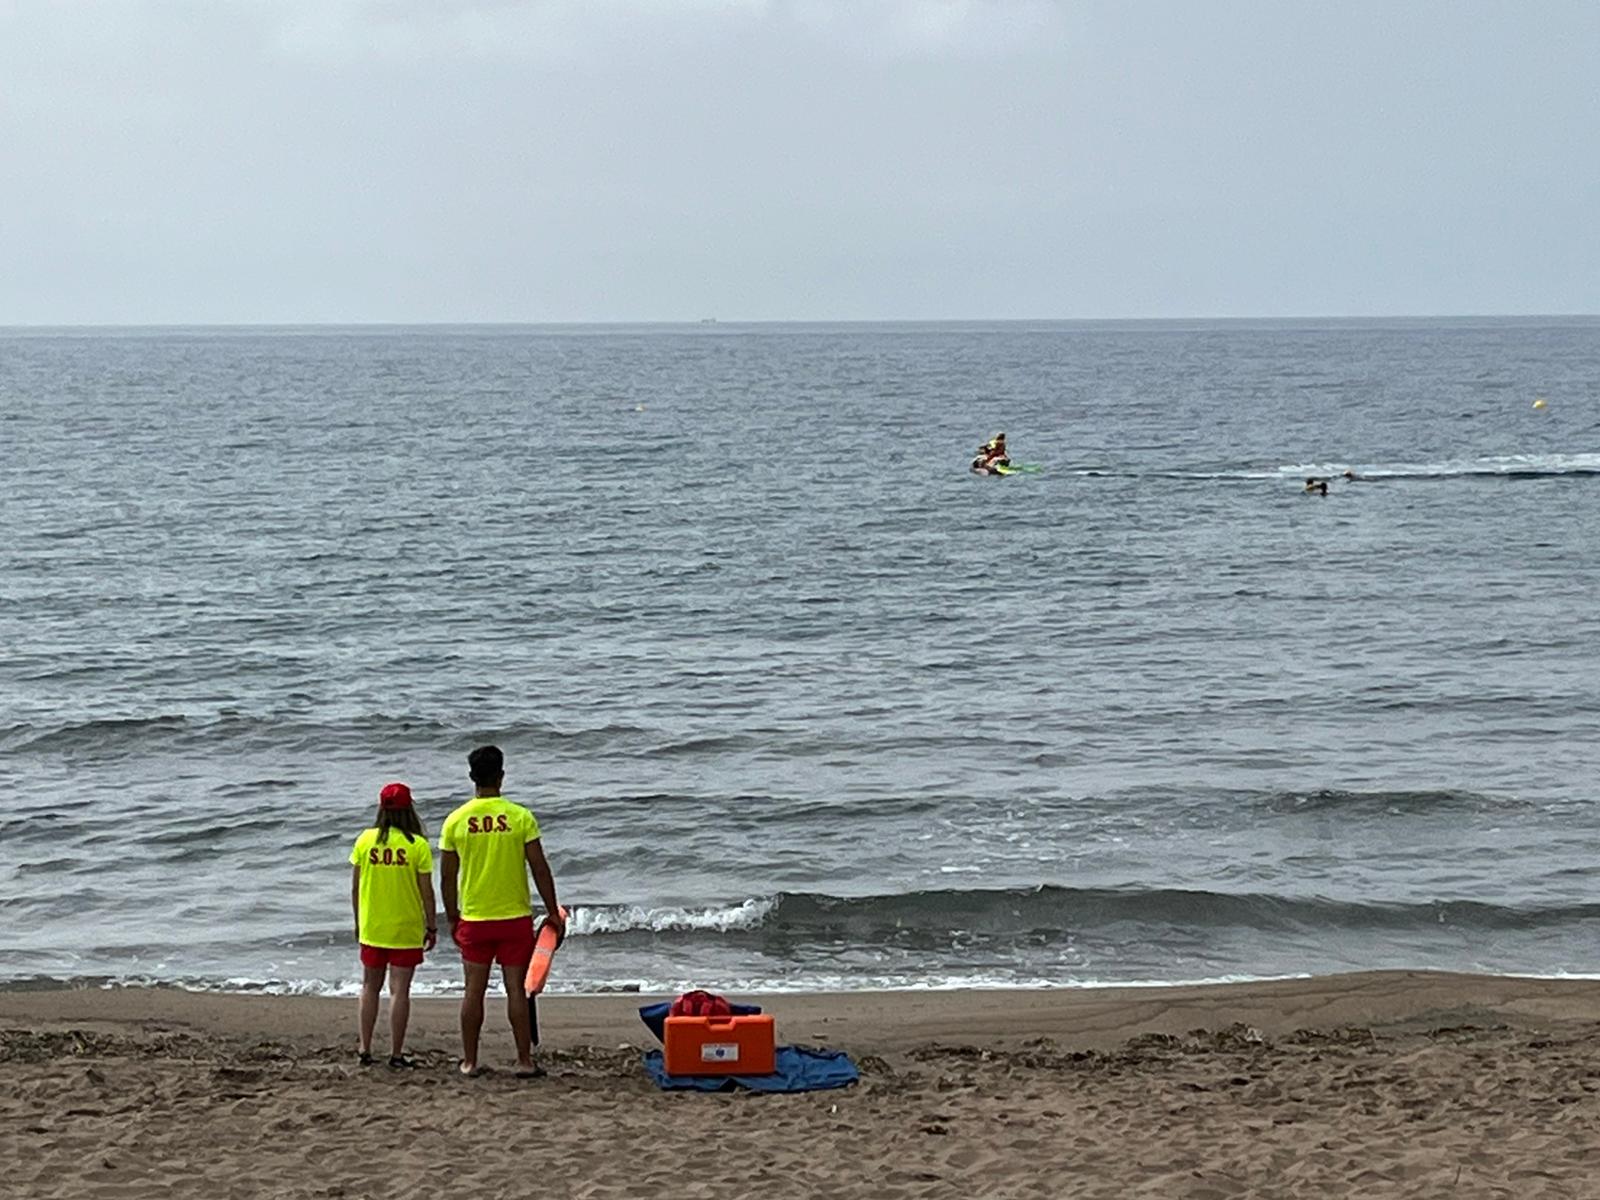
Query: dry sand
point(1373, 1085)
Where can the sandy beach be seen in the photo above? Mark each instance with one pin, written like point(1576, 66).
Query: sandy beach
point(1369, 1085)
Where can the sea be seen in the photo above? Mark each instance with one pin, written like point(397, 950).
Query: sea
point(799, 701)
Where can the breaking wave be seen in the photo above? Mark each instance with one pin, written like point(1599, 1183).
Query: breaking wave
point(1021, 911)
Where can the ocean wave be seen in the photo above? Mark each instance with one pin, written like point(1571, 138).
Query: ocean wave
point(583, 920)
point(1496, 466)
point(603, 919)
point(1051, 908)
point(1047, 910)
point(178, 731)
point(1409, 803)
point(1500, 466)
point(690, 746)
point(102, 733)
point(645, 987)
point(1016, 937)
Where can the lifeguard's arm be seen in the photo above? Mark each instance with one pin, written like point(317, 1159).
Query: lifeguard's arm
point(430, 916)
point(355, 898)
point(544, 881)
point(449, 867)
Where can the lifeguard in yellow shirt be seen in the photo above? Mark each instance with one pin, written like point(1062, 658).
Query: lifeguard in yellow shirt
point(391, 897)
point(487, 848)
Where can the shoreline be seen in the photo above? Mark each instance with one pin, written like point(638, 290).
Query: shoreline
point(874, 1021)
point(349, 990)
point(1370, 1085)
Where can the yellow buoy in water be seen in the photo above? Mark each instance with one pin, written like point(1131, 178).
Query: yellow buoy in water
point(1539, 403)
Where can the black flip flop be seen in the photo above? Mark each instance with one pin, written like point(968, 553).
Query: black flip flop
point(364, 1058)
point(398, 1062)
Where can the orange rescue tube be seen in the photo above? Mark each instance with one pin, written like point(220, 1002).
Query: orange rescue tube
point(544, 949)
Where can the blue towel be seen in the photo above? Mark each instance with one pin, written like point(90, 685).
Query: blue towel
point(799, 1070)
point(655, 1015)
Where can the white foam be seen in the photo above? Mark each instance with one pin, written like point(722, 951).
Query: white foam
point(736, 985)
point(618, 918)
point(1494, 464)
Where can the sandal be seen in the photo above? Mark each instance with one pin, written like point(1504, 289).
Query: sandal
point(364, 1058)
point(399, 1062)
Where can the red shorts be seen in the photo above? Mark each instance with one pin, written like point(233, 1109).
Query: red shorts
point(509, 941)
point(379, 957)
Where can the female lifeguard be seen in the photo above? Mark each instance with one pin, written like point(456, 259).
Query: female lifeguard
point(391, 895)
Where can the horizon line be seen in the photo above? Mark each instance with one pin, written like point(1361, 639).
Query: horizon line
point(695, 322)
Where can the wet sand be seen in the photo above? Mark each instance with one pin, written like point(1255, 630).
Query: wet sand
point(1370, 1085)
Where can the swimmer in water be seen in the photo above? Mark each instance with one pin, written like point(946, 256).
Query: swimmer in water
point(994, 452)
point(1351, 476)
point(991, 456)
point(1316, 487)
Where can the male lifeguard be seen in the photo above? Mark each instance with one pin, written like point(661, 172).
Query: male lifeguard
point(491, 844)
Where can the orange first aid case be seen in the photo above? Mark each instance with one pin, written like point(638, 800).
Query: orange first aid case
point(721, 1046)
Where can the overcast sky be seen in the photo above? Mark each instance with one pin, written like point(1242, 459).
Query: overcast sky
point(585, 160)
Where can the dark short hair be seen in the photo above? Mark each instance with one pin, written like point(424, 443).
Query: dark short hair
point(486, 764)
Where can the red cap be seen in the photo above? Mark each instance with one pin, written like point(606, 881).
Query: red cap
point(394, 795)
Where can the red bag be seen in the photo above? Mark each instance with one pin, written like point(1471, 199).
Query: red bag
point(700, 1004)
